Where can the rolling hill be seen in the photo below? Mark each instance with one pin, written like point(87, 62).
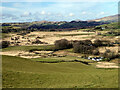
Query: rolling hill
point(113, 18)
point(25, 73)
point(57, 26)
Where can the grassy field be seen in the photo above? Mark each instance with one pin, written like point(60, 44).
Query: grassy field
point(3, 35)
point(27, 48)
point(111, 25)
point(30, 73)
point(75, 34)
point(67, 58)
point(26, 73)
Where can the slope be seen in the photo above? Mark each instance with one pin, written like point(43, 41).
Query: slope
point(24, 73)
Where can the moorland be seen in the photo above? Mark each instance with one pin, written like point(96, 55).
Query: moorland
point(76, 54)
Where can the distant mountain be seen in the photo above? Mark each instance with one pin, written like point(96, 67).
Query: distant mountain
point(49, 22)
point(49, 26)
point(113, 18)
point(62, 25)
point(55, 25)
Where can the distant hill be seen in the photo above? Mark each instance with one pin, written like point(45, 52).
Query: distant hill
point(62, 25)
point(113, 18)
point(49, 26)
point(109, 21)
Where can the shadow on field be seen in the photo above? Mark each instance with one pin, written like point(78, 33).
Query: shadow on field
point(87, 63)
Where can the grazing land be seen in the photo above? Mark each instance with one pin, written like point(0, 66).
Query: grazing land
point(44, 59)
point(19, 72)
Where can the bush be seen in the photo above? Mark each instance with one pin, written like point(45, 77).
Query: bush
point(98, 28)
point(83, 42)
point(95, 52)
point(110, 55)
point(97, 43)
point(37, 42)
point(78, 48)
point(87, 42)
point(62, 44)
point(106, 43)
point(4, 44)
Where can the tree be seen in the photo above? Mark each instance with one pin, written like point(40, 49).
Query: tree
point(62, 44)
point(97, 43)
point(80, 48)
point(4, 44)
point(96, 52)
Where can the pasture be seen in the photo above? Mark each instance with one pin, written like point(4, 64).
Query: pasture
point(23, 67)
point(25, 73)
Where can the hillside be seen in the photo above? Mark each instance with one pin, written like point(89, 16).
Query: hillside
point(113, 25)
point(48, 26)
point(113, 18)
point(56, 26)
point(24, 73)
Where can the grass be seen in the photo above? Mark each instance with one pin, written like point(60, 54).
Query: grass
point(75, 34)
point(111, 25)
point(67, 58)
point(108, 35)
point(25, 73)
point(32, 35)
point(4, 35)
point(27, 48)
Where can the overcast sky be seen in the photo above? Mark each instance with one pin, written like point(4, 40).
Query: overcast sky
point(56, 11)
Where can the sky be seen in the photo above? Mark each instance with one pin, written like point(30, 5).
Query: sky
point(56, 11)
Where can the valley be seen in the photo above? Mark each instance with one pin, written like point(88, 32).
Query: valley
point(80, 58)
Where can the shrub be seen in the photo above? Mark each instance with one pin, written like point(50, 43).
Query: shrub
point(4, 44)
point(106, 43)
point(87, 42)
point(78, 48)
point(95, 52)
point(83, 42)
point(97, 43)
point(107, 51)
point(62, 44)
point(110, 55)
point(98, 28)
point(37, 42)
point(106, 59)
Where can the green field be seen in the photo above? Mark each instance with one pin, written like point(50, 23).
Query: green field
point(26, 73)
point(30, 73)
point(111, 25)
point(3, 35)
point(74, 34)
point(27, 48)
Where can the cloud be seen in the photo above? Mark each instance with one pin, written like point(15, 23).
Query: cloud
point(18, 5)
point(84, 12)
point(71, 14)
point(49, 13)
point(8, 9)
point(26, 14)
point(102, 13)
point(9, 16)
point(58, 10)
point(60, 1)
point(42, 12)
